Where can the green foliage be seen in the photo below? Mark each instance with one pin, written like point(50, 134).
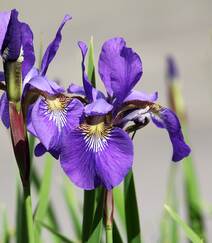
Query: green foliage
point(97, 223)
point(88, 213)
point(61, 237)
point(72, 206)
point(91, 65)
point(44, 194)
point(119, 202)
point(188, 231)
point(116, 234)
point(169, 227)
point(5, 236)
point(192, 195)
point(131, 210)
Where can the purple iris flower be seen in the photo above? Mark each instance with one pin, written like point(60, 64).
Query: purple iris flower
point(99, 151)
point(54, 113)
point(49, 116)
point(16, 45)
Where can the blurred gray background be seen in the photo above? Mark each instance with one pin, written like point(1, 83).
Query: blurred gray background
point(154, 29)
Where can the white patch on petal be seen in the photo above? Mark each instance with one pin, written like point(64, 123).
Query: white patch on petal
point(21, 56)
point(56, 111)
point(5, 54)
point(139, 115)
point(96, 136)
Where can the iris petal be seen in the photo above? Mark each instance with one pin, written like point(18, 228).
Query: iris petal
point(92, 161)
point(51, 118)
point(2, 78)
point(140, 111)
point(42, 83)
point(86, 83)
point(11, 47)
point(98, 107)
point(4, 110)
point(76, 89)
point(41, 150)
point(4, 20)
point(28, 49)
point(168, 120)
point(120, 68)
point(45, 128)
point(53, 47)
point(137, 95)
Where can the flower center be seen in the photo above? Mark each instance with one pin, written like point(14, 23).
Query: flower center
point(56, 104)
point(96, 136)
point(56, 109)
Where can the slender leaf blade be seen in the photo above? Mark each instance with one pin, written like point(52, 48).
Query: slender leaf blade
point(118, 195)
point(192, 195)
point(21, 223)
point(191, 185)
point(97, 225)
point(169, 228)
point(44, 193)
point(88, 213)
point(116, 234)
point(45, 189)
point(91, 66)
point(131, 210)
point(188, 231)
point(72, 205)
point(5, 227)
point(61, 237)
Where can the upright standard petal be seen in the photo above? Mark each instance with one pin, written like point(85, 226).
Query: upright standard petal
point(86, 83)
point(28, 49)
point(167, 119)
point(120, 68)
point(76, 89)
point(98, 107)
point(53, 47)
point(11, 48)
point(137, 95)
point(44, 84)
point(4, 20)
point(94, 155)
point(51, 117)
point(4, 110)
point(30, 75)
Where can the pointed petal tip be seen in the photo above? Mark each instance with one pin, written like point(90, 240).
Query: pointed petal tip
point(83, 47)
point(67, 17)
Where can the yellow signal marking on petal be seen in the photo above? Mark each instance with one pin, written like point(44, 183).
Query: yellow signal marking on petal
point(96, 136)
point(57, 111)
point(56, 104)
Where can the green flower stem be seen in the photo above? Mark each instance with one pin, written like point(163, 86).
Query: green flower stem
point(13, 79)
point(28, 213)
point(192, 192)
point(109, 208)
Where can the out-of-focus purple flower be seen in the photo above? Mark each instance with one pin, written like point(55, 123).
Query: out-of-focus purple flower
point(172, 70)
point(99, 151)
